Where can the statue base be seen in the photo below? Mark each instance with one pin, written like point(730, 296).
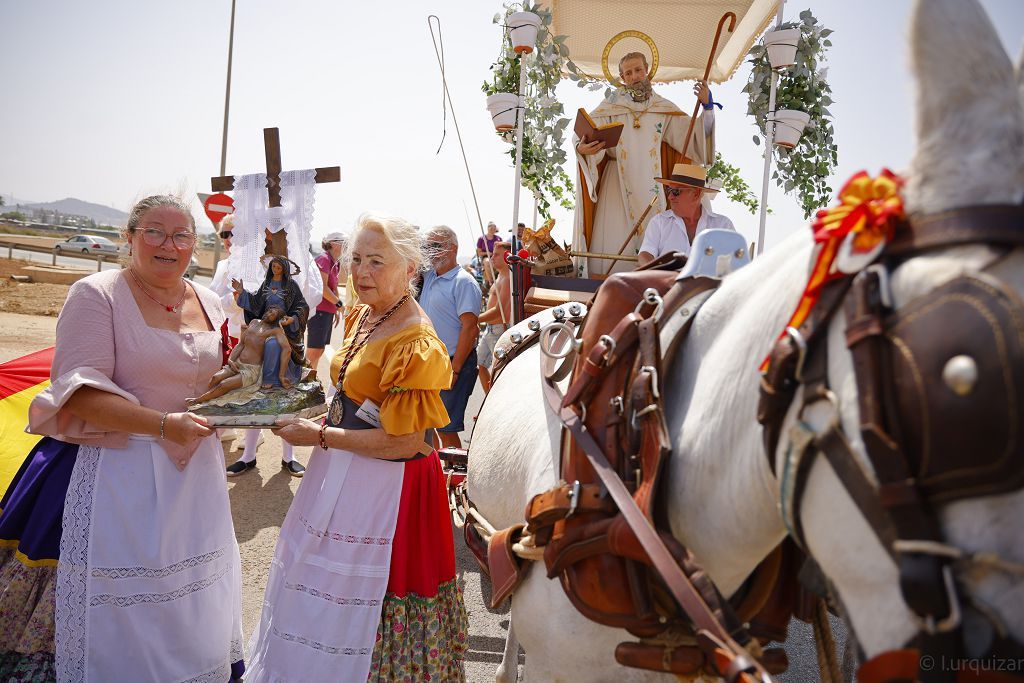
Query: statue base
point(306, 399)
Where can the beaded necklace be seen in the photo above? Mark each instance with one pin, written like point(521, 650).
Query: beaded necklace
point(170, 309)
point(337, 409)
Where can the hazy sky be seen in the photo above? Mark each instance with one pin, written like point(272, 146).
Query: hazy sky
point(111, 100)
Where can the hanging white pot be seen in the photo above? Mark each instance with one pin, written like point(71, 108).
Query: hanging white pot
point(523, 27)
point(789, 126)
point(782, 47)
point(503, 110)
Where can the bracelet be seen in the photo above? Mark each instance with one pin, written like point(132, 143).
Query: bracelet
point(163, 423)
point(323, 435)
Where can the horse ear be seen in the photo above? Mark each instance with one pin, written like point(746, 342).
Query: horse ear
point(970, 120)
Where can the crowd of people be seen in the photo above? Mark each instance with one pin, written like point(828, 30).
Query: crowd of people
point(117, 546)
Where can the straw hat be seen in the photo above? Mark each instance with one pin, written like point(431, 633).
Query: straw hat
point(689, 175)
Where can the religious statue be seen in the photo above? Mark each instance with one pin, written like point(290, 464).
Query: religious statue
point(616, 186)
point(243, 374)
point(267, 374)
point(278, 289)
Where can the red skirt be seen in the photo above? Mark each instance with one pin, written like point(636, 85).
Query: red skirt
point(423, 628)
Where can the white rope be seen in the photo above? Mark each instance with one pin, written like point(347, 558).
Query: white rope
point(985, 560)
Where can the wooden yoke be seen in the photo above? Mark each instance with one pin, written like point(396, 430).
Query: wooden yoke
point(272, 147)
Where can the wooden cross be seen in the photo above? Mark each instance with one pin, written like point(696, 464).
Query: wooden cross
point(272, 145)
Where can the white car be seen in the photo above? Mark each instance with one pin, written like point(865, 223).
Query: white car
point(87, 244)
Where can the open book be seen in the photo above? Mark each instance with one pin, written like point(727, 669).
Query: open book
point(588, 131)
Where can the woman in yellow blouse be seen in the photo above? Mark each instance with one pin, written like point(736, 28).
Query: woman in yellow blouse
point(362, 585)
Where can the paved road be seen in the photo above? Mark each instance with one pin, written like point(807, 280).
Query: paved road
point(73, 261)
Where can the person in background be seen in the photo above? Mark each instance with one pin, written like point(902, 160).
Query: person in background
point(331, 307)
point(689, 213)
point(232, 327)
point(485, 245)
point(497, 315)
point(451, 299)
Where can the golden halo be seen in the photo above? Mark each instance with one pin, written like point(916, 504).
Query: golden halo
point(629, 34)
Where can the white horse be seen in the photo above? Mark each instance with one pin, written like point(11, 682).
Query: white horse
point(724, 497)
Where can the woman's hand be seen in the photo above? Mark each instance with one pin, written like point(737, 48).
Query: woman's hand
point(236, 285)
point(287, 320)
point(298, 431)
point(185, 429)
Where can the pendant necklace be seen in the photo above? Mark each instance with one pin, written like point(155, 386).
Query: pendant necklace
point(170, 309)
point(636, 116)
point(337, 409)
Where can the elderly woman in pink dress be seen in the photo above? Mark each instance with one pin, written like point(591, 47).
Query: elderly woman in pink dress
point(118, 558)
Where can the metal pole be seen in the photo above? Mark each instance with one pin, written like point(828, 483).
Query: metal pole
point(769, 130)
point(224, 137)
point(517, 285)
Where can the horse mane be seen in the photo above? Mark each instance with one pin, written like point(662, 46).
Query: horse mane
point(970, 121)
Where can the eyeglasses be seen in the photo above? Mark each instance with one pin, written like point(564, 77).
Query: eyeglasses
point(674, 191)
point(436, 245)
point(226, 235)
point(155, 237)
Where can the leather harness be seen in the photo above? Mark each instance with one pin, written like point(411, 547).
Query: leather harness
point(939, 385)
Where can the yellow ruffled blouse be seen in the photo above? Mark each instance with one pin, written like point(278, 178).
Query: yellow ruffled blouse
point(403, 374)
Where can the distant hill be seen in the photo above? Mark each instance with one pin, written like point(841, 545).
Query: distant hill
point(103, 215)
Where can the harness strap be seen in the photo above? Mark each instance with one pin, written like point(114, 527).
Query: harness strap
point(715, 641)
point(990, 224)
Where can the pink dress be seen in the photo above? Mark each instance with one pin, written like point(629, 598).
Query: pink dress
point(148, 583)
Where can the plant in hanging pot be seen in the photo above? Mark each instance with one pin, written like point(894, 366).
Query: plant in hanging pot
point(544, 125)
point(805, 152)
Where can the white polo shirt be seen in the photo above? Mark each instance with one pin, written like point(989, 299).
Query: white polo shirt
point(666, 232)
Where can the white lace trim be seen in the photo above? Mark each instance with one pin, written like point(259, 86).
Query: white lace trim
point(135, 599)
point(336, 599)
point(217, 674)
point(157, 573)
point(344, 538)
point(71, 591)
point(320, 647)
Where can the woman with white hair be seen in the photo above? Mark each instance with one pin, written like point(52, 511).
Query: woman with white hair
point(362, 585)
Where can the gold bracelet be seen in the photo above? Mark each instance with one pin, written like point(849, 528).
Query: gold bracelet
point(163, 423)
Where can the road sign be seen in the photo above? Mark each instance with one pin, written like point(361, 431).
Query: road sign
point(217, 206)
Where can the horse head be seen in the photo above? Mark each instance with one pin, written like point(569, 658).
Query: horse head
point(967, 173)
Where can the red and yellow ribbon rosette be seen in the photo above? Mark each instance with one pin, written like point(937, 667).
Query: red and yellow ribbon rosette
point(849, 236)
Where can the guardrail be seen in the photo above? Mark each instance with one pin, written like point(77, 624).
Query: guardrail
point(99, 258)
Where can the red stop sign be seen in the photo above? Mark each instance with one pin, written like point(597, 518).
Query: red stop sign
point(217, 206)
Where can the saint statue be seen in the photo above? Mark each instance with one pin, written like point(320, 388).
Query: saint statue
point(615, 186)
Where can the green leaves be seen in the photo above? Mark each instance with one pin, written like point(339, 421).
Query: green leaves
point(544, 125)
point(806, 168)
point(733, 184)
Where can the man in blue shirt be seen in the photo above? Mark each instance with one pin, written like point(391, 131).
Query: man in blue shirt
point(451, 299)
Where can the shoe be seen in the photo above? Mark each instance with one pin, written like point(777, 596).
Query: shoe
point(240, 467)
point(294, 468)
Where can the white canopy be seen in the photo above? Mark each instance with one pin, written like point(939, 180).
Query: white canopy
point(682, 30)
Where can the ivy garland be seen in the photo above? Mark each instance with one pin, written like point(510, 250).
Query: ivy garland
point(544, 125)
point(807, 167)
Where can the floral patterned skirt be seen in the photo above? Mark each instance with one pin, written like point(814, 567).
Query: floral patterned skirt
point(26, 620)
point(423, 628)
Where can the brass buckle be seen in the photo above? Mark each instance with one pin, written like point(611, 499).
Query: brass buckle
point(801, 347)
point(574, 498)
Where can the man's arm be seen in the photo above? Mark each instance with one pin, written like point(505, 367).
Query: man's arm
point(491, 315)
point(467, 338)
point(236, 352)
point(643, 258)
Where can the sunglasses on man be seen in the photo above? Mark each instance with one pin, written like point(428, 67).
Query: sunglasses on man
point(227, 234)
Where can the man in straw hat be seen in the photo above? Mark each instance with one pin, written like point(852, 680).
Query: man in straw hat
point(614, 185)
point(689, 192)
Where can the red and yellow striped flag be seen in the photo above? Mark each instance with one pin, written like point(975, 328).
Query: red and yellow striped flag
point(20, 380)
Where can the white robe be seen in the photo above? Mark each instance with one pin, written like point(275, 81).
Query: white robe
point(627, 185)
